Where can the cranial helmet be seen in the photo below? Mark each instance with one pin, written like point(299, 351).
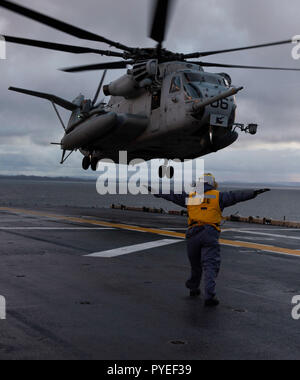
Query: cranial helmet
point(210, 180)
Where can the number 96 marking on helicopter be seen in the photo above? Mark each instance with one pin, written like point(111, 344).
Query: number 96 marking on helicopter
point(223, 104)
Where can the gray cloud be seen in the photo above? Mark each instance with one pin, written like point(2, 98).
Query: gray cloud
point(28, 125)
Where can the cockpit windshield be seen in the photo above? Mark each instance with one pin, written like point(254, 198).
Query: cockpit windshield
point(192, 91)
point(194, 77)
point(226, 82)
point(203, 78)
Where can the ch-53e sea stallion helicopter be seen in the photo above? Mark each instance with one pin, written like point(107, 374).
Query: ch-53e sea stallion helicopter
point(165, 106)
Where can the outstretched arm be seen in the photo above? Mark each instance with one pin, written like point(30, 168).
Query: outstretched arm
point(178, 199)
point(231, 198)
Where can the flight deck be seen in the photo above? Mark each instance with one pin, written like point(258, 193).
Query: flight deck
point(84, 283)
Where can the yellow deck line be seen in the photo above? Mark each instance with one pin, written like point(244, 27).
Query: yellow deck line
point(231, 243)
point(95, 222)
point(260, 247)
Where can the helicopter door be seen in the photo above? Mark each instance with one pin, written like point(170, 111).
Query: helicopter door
point(173, 106)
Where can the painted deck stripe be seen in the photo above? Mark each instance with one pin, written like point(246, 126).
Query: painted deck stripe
point(231, 243)
point(260, 229)
point(251, 238)
point(94, 222)
point(271, 235)
point(134, 248)
point(260, 247)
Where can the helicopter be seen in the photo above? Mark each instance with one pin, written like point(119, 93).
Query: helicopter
point(164, 107)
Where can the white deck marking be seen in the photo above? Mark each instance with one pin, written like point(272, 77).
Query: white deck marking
point(134, 248)
point(253, 238)
point(260, 229)
point(272, 235)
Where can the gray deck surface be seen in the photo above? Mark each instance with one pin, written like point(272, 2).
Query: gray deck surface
point(62, 304)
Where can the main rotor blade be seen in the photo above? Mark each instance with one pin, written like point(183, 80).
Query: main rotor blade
point(213, 52)
point(98, 66)
point(52, 98)
point(60, 25)
point(208, 64)
point(160, 20)
point(59, 47)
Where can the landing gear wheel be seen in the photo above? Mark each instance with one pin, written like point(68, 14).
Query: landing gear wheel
point(212, 140)
point(161, 172)
point(94, 164)
point(211, 136)
point(171, 172)
point(86, 163)
point(166, 171)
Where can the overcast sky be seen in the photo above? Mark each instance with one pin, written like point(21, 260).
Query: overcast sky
point(271, 99)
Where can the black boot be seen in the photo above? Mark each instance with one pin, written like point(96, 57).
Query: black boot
point(213, 302)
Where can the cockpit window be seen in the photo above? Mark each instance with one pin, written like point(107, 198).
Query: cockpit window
point(175, 85)
point(194, 77)
point(226, 82)
point(212, 79)
point(207, 78)
point(192, 92)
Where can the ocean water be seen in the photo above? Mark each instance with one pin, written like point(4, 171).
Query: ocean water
point(280, 203)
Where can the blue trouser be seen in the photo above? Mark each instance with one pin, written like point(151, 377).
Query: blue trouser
point(204, 255)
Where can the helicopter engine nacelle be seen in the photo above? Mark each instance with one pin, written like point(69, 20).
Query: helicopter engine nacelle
point(134, 82)
point(125, 86)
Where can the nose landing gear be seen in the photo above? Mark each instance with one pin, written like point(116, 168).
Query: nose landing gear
point(94, 164)
point(90, 162)
point(166, 171)
point(86, 162)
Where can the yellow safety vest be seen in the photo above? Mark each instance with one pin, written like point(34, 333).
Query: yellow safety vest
point(205, 212)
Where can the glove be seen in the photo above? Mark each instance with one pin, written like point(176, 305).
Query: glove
point(261, 191)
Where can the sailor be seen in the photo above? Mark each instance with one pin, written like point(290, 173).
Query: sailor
point(204, 228)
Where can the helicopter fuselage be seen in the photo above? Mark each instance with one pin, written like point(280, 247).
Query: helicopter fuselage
point(159, 118)
point(166, 106)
